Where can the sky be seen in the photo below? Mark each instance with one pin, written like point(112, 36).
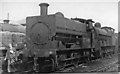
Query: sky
point(103, 11)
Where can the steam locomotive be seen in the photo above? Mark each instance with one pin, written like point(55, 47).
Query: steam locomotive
point(55, 42)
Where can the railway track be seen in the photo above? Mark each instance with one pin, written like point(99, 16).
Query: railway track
point(85, 68)
point(104, 68)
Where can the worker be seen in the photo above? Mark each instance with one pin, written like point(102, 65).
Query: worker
point(10, 54)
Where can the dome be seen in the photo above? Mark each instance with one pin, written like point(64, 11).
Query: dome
point(98, 25)
point(59, 14)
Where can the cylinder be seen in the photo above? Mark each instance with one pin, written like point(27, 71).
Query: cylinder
point(44, 9)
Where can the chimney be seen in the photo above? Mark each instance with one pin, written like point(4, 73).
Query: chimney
point(6, 21)
point(44, 8)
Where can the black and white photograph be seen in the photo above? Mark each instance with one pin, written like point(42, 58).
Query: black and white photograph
point(58, 36)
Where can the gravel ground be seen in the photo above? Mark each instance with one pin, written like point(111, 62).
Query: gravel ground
point(113, 68)
point(98, 64)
